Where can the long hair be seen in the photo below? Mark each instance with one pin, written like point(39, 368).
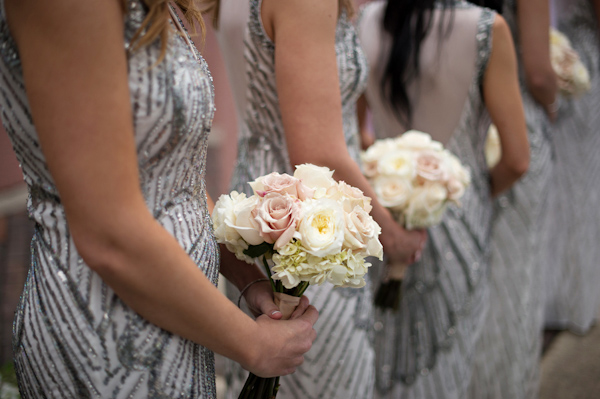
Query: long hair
point(496, 5)
point(408, 22)
point(156, 24)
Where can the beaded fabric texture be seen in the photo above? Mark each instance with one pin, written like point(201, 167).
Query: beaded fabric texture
point(73, 337)
point(571, 247)
point(340, 363)
point(424, 349)
point(507, 353)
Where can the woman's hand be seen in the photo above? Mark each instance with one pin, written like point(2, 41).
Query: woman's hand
point(259, 299)
point(401, 245)
point(282, 344)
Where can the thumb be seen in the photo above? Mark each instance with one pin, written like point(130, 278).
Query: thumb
point(270, 309)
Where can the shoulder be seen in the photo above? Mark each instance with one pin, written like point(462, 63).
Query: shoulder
point(370, 14)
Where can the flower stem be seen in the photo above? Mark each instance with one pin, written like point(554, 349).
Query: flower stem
point(268, 270)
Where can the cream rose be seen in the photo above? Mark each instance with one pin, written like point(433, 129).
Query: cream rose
point(457, 170)
point(416, 140)
point(283, 184)
point(361, 233)
point(398, 163)
point(392, 192)
point(349, 197)
point(370, 158)
point(431, 167)
point(315, 177)
point(493, 151)
point(321, 229)
point(277, 216)
point(243, 221)
point(426, 206)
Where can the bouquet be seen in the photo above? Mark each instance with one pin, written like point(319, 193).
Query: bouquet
point(303, 229)
point(493, 149)
point(573, 77)
point(416, 178)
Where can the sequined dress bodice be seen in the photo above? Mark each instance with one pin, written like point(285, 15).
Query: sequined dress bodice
point(68, 318)
point(423, 349)
point(261, 145)
point(340, 363)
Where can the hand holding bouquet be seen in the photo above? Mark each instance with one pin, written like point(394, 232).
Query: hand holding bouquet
point(416, 178)
point(304, 229)
point(573, 77)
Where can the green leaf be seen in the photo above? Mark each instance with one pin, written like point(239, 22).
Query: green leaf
point(255, 251)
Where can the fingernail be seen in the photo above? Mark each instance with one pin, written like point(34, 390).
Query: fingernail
point(274, 312)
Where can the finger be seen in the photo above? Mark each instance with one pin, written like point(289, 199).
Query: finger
point(311, 315)
point(269, 308)
point(302, 306)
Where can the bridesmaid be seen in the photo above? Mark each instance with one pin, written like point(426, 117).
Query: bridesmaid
point(462, 76)
point(303, 73)
point(120, 300)
point(572, 295)
point(508, 351)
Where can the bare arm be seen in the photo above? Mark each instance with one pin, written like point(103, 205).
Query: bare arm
point(311, 106)
point(72, 87)
point(533, 19)
point(503, 100)
point(366, 136)
point(596, 4)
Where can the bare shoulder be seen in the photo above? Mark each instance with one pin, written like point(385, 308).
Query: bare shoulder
point(306, 11)
point(501, 30)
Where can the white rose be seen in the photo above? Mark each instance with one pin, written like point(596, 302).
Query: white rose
point(398, 163)
point(243, 222)
point(349, 197)
point(321, 228)
point(392, 192)
point(370, 158)
point(315, 177)
point(362, 233)
point(457, 170)
point(223, 216)
point(426, 206)
point(416, 140)
point(581, 79)
point(493, 151)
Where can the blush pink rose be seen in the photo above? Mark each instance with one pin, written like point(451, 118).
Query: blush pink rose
point(282, 184)
point(277, 216)
point(430, 167)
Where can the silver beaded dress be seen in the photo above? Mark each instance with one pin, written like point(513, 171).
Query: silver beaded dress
point(572, 250)
point(340, 363)
point(508, 352)
point(425, 348)
point(73, 337)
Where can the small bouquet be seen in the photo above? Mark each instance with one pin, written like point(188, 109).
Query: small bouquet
point(493, 149)
point(573, 77)
point(416, 178)
point(303, 229)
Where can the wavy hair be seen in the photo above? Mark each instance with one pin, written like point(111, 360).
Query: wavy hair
point(156, 24)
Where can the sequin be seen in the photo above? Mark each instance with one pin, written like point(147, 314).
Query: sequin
point(73, 337)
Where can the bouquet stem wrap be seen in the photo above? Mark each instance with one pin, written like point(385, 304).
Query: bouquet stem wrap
point(389, 293)
point(267, 388)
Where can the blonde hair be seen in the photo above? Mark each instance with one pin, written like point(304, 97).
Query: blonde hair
point(156, 24)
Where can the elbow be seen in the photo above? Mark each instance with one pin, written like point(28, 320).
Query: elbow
point(519, 168)
point(97, 251)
